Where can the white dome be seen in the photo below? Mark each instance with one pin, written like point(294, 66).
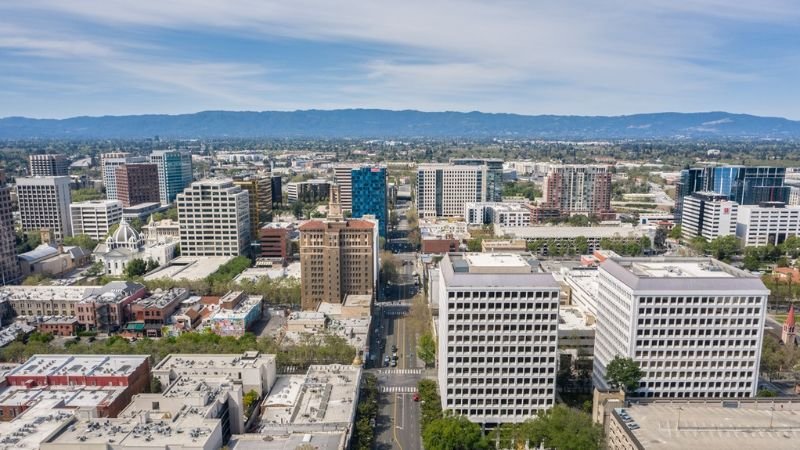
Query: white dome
point(125, 235)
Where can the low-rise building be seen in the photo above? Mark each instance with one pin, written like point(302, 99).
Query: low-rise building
point(13, 331)
point(542, 238)
point(107, 308)
point(504, 246)
point(275, 242)
point(150, 314)
point(96, 401)
point(52, 260)
point(498, 213)
point(772, 424)
point(234, 315)
point(59, 325)
point(322, 400)
point(253, 370)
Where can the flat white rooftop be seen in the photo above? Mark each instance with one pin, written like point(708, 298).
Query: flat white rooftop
point(203, 361)
point(678, 269)
point(30, 428)
point(190, 267)
point(510, 262)
point(85, 365)
point(741, 425)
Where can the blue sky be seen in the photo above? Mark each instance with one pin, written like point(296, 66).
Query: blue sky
point(604, 57)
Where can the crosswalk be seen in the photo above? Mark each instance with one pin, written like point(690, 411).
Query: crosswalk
point(399, 371)
point(398, 389)
point(395, 312)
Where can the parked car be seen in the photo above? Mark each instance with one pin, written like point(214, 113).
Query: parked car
point(415, 397)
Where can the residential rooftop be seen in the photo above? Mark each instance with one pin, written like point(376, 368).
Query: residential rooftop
point(45, 293)
point(161, 299)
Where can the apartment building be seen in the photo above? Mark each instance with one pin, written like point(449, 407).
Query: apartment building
point(53, 165)
point(311, 191)
point(694, 325)
point(343, 177)
point(214, 218)
point(44, 204)
point(136, 184)
point(368, 196)
point(498, 337)
point(709, 215)
point(578, 190)
point(500, 214)
point(443, 189)
point(95, 217)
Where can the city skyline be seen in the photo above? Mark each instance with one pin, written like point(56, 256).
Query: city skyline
point(95, 58)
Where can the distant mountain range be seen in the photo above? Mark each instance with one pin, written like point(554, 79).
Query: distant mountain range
point(379, 123)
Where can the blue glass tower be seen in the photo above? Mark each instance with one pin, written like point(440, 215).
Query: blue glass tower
point(369, 195)
point(750, 185)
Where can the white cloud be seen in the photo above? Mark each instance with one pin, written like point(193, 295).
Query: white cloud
point(520, 56)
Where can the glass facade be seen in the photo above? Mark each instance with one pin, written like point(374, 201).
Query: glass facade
point(369, 195)
point(750, 185)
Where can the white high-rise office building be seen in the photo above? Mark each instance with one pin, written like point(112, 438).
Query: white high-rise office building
point(498, 337)
point(708, 215)
point(443, 189)
point(214, 218)
point(768, 223)
point(51, 165)
point(95, 217)
point(44, 204)
point(694, 325)
point(343, 177)
point(108, 167)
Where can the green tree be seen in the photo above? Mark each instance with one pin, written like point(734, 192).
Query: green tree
point(97, 268)
point(563, 428)
point(751, 262)
point(624, 373)
point(83, 241)
point(135, 268)
point(152, 264)
point(699, 244)
point(660, 238)
point(155, 385)
point(723, 247)
point(474, 245)
point(35, 279)
point(453, 432)
point(249, 398)
point(675, 232)
point(85, 194)
point(579, 221)
point(581, 245)
point(389, 267)
point(426, 349)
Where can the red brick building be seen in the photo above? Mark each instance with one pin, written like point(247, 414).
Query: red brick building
point(137, 183)
point(275, 243)
point(59, 326)
point(440, 245)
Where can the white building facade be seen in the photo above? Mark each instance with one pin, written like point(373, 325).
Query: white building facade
point(767, 224)
point(708, 215)
point(214, 219)
point(498, 213)
point(694, 325)
point(443, 189)
point(44, 204)
point(498, 337)
point(95, 217)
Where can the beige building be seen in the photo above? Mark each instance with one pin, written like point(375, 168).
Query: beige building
point(214, 218)
point(337, 257)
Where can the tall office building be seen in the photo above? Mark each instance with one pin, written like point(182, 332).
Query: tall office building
point(174, 173)
point(277, 190)
point(498, 337)
point(709, 215)
point(95, 217)
point(494, 175)
point(259, 190)
point(741, 184)
point(137, 183)
point(694, 325)
point(52, 165)
point(44, 204)
point(214, 218)
point(578, 190)
point(443, 189)
point(691, 180)
point(343, 177)
point(108, 166)
point(9, 269)
point(369, 196)
point(750, 185)
point(337, 257)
